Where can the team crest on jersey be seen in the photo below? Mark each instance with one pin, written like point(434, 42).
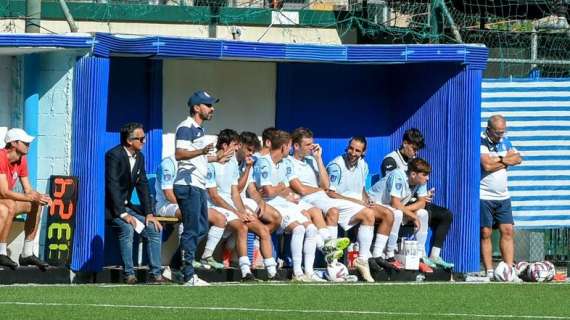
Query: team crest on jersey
point(167, 177)
point(333, 178)
point(398, 186)
point(264, 175)
point(209, 175)
point(289, 170)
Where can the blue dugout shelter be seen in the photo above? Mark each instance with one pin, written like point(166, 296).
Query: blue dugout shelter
point(338, 91)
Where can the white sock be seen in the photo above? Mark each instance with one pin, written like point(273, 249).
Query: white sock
point(422, 233)
point(28, 249)
point(244, 265)
point(180, 229)
point(311, 235)
point(379, 245)
point(214, 236)
point(435, 251)
point(3, 248)
point(490, 273)
point(297, 249)
point(364, 238)
point(324, 235)
point(333, 231)
point(271, 266)
point(393, 237)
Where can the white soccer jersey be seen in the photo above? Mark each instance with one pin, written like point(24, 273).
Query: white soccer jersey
point(165, 176)
point(395, 184)
point(306, 170)
point(222, 177)
point(347, 182)
point(190, 136)
point(267, 173)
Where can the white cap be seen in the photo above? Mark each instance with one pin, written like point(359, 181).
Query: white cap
point(16, 134)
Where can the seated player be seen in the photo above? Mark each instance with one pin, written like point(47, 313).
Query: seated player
point(347, 175)
point(269, 178)
point(222, 186)
point(395, 191)
point(310, 181)
point(440, 218)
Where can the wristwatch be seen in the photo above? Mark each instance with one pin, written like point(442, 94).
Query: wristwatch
point(501, 159)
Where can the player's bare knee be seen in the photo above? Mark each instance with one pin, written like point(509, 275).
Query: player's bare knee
point(486, 233)
point(367, 216)
point(332, 216)
point(507, 231)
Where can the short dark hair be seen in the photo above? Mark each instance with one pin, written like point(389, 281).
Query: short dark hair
point(8, 145)
point(279, 138)
point(250, 139)
point(360, 139)
point(300, 133)
point(419, 165)
point(267, 134)
point(415, 137)
point(226, 136)
point(127, 131)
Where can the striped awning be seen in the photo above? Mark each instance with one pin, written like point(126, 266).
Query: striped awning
point(538, 125)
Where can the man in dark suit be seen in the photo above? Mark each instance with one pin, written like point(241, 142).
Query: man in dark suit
point(124, 171)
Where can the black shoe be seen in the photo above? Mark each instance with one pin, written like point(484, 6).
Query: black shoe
point(33, 261)
point(277, 277)
point(7, 262)
point(131, 279)
point(249, 278)
point(157, 280)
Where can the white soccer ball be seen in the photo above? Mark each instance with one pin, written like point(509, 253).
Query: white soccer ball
point(504, 272)
point(337, 272)
point(537, 272)
point(520, 268)
point(551, 270)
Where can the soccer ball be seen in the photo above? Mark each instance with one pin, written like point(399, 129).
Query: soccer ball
point(520, 268)
point(537, 272)
point(504, 272)
point(551, 270)
point(337, 272)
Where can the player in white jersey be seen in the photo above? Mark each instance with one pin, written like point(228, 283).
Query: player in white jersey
point(167, 206)
point(440, 218)
point(270, 179)
point(222, 185)
point(347, 175)
point(249, 144)
point(396, 191)
point(310, 182)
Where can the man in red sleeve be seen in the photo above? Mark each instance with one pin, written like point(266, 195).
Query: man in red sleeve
point(14, 165)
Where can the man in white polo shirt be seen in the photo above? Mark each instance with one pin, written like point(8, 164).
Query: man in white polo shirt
point(497, 155)
point(347, 175)
point(310, 182)
point(190, 185)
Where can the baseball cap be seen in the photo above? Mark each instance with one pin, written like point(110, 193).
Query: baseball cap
point(201, 96)
point(16, 134)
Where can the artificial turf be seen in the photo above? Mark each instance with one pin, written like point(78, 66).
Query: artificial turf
point(288, 301)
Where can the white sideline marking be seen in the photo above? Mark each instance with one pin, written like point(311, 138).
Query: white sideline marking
point(358, 312)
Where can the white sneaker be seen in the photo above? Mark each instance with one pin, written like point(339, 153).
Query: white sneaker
point(315, 277)
point(301, 278)
point(196, 282)
point(362, 267)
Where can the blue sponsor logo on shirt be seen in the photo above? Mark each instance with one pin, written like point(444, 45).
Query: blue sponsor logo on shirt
point(333, 178)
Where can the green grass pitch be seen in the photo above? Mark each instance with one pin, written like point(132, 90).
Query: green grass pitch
point(288, 301)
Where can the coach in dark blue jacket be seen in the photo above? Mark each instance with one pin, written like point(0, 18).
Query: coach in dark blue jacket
point(124, 171)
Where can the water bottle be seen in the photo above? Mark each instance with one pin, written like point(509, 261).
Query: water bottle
point(350, 255)
point(420, 278)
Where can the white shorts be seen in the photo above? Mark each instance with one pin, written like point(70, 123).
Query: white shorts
point(289, 211)
point(168, 210)
point(230, 216)
point(346, 209)
point(250, 204)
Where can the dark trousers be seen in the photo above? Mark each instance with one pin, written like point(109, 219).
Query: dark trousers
point(440, 219)
point(194, 208)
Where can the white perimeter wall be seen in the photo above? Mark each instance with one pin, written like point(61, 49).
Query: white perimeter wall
point(246, 90)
